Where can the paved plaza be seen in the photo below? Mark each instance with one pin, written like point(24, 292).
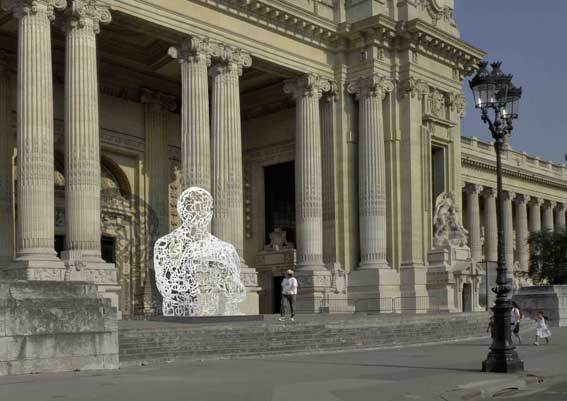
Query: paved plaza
point(433, 372)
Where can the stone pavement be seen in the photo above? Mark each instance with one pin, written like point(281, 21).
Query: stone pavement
point(429, 372)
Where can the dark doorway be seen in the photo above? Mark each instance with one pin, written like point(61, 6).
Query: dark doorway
point(277, 293)
point(59, 244)
point(467, 298)
point(108, 249)
point(279, 192)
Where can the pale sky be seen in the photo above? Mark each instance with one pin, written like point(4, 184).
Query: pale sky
point(530, 38)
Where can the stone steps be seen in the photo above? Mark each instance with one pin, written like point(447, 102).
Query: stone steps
point(162, 342)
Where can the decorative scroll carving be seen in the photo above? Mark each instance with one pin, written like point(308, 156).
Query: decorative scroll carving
point(448, 229)
point(416, 87)
point(437, 12)
point(307, 85)
point(22, 8)
point(83, 13)
point(373, 85)
point(196, 273)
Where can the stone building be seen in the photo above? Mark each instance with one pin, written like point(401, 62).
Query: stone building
point(325, 131)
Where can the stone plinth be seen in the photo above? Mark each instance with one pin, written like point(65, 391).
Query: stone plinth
point(48, 326)
point(313, 285)
point(375, 289)
point(551, 299)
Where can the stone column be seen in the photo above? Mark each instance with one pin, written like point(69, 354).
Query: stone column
point(226, 150)
point(35, 191)
point(313, 276)
point(522, 232)
point(370, 92)
point(547, 222)
point(534, 214)
point(490, 225)
point(473, 217)
point(194, 56)
point(328, 179)
point(156, 106)
point(82, 149)
point(7, 144)
point(560, 217)
point(509, 231)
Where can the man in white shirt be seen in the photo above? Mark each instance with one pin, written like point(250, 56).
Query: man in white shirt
point(289, 293)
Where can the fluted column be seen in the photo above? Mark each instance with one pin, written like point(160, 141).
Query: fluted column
point(156, 107)
point(473, 217)
point(370, 91)
point(307, 91)
point(490, 225)
point(547, 221)
point(328, 116)
point(509, 230)
point(522, 232)
point(82, 153)
point(194, 56)
point(560, 217)
point(35, 191)
point(7, 144)
point(226, 145)
point(534, 206)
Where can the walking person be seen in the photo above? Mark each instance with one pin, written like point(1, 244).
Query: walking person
point(516, 316)
point(541, 328)
point(289, 293)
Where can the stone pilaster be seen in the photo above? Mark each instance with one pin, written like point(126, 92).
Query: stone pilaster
point(490, 225)
point(547, 216)
point(473, 218)
point(522, 233)
point(35, 192)
point(534, 209)
point(509, 231)
point(226, 150)
point(560, 217)
point(307, 91)
point(7, 144)
point(329, 161)
point(194, 56)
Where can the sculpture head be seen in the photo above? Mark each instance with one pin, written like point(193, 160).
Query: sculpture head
point(195, 208)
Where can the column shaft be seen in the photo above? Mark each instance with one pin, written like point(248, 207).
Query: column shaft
point(6, 180)
point(82, 153)
point(194, 56)
point(509, 229)
point(490, 229)
point(522, 232)
point(535, 215)
point(35, 219)
point(560, 217)
point(473, 219)
point(547, 222)
point(226, 144)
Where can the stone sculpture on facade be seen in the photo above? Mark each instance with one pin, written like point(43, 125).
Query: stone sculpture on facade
point(196, 273)
point(448, 229)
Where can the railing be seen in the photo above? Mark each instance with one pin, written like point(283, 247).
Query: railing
point(418, 304)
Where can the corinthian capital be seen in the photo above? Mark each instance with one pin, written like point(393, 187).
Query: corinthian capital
point(416, 87)
point(371, 86)
point(192, 50)
point(21, 8)
point(87, 13)
point(308, 85)
point(232, 57)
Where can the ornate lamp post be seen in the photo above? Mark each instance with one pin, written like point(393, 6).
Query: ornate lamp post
point(498, 99)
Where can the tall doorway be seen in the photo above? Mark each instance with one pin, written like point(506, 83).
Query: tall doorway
point(279, 198)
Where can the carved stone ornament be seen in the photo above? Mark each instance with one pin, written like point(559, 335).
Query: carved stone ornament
point(196, 273)
point(22, 8)
point(373, 85)
point(306, 86)
point(437, 100)
point(416, 87)
point(438, 12)
point(231, 57)
point(83, 13)
point(456, 101)
point(278, 239)
point(192, 50)
point(448, 229)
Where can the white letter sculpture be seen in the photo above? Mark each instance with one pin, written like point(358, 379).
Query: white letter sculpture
point(197, 274)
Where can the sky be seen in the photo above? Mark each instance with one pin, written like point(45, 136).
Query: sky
point(530, 38)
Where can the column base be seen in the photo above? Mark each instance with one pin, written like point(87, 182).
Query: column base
point(90, 267)
point(35, 264)
point(414, 297)
point(375, 290)
point(313, 285)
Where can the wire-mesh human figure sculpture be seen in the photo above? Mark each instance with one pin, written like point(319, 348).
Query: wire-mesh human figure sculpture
point(197, 274)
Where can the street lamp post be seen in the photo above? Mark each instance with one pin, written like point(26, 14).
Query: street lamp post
point(498, 99)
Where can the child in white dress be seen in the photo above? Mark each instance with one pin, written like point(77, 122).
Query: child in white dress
point(541, 328)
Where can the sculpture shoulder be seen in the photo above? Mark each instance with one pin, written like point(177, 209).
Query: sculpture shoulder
point(223, 246)
point(166, 241)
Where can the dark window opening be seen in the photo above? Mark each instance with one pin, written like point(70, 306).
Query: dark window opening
point(279, 192)
point(108, 249)
point(59, 244)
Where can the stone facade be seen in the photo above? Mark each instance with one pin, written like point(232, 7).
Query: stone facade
point(362, 98)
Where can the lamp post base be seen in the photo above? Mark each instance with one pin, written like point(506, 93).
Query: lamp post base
point(503, 362)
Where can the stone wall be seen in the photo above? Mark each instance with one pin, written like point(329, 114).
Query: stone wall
point(55, 326)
